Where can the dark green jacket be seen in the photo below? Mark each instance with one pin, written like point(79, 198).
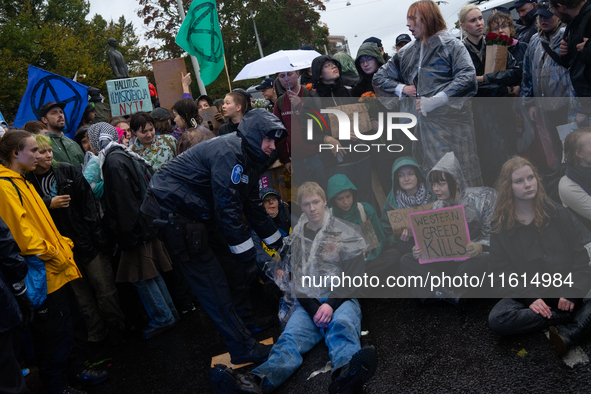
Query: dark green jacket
point(391, 203)
point(66, 150)
point(340, 183)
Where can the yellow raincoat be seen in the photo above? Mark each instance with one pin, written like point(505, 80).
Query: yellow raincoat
point(34, 231)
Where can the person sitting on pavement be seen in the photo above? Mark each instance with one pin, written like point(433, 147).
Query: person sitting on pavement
point(534, 237)
point(320, 244)
point(381, 260)
point(409, 189)
point(575, 186)
point(450, 187)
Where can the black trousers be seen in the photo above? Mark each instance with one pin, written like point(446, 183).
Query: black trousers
point(60, 339)
point(205, 270)
point(11, 376)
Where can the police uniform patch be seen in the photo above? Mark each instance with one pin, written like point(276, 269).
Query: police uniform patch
point(237, 174)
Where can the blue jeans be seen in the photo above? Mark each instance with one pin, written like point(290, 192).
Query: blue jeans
point(156, 299)
point(301, 334)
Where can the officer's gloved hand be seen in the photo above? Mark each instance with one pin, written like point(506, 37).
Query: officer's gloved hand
point(27, 308)
point(251, 271)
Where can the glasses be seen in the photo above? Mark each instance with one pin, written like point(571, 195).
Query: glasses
point(329, 65)
point(365, 60)
point(499, 28)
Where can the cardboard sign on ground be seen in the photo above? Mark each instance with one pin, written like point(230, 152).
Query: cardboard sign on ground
point(370, 235)
point(167, 74)
point(208, 116)
point(441, 234)
point(226, 359)
point(129, 95)
point(399, 218)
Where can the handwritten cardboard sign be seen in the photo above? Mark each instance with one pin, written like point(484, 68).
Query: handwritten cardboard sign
point(441, 234)
point(370, 235)
point(167, 75)
point(209, 120)
point(399, 218)
point(129, 95)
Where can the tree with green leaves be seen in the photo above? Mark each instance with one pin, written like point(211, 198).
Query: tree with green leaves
point(281, 24)
point(55, 36)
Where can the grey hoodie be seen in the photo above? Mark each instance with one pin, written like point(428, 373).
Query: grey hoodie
point(479, 202)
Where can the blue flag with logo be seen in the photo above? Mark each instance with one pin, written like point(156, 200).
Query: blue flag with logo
point(44, 86)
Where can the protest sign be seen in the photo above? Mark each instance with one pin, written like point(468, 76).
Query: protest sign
point(167, 74)
point(209, 120)
point(129, 95)
point(441, 234)
point(399, 218)
point(370, 235)
point(43, 87)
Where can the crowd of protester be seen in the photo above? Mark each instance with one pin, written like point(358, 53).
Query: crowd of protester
point(124, 228)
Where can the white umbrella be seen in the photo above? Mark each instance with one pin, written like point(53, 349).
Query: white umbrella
point(277, 62)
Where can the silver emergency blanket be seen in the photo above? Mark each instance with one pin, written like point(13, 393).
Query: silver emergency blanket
point(479, 202)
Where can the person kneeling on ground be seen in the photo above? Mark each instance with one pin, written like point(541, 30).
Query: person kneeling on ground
point(320, 245)
point(534, 237)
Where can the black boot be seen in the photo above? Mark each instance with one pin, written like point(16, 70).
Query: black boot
point(226, 381)
point(351, 377)
point(566, 336)
point(255, 354)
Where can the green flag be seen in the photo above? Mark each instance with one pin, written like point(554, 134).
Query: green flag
point(200, 36)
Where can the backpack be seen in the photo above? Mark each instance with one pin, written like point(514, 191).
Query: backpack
point(36, 279)
point(143, 170)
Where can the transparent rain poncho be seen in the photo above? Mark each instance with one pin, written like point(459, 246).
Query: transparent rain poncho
point(479, 202)
point(542, 76)
point(444, 76)
point(336, 250)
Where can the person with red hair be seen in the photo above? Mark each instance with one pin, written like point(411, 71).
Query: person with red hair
point(436, 69)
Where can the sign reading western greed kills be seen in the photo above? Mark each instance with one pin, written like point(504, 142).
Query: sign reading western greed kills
point(441, 234)
point(129, 95)
point(399, 218)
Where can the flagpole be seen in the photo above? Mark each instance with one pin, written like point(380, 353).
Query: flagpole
point(193, 58)
point(227, 74)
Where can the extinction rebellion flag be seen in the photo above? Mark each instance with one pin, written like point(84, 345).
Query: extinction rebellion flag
point(43, 87)
point(201, 37)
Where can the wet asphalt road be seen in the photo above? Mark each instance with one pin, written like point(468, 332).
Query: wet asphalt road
point(422, 349)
